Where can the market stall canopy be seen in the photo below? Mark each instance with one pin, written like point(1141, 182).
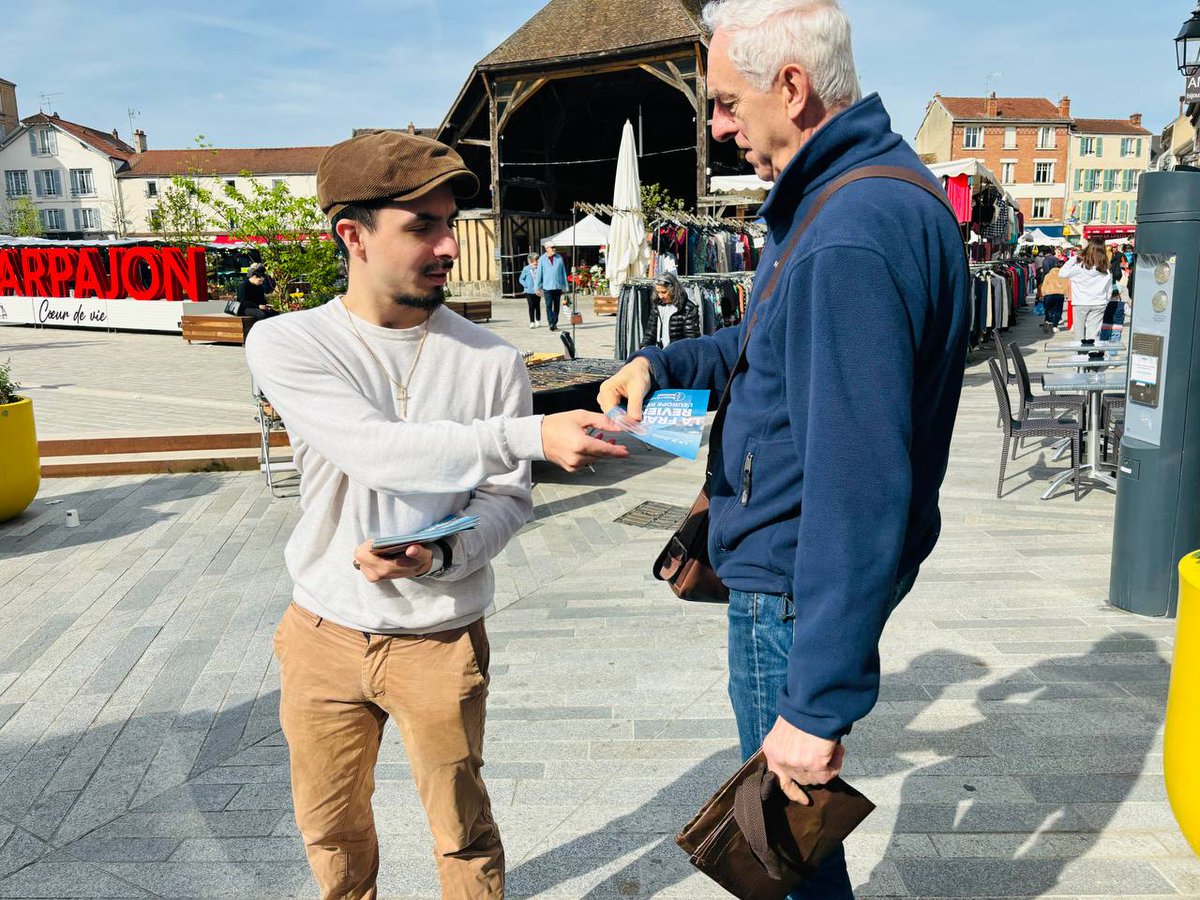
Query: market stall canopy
point(739, 184)
point(1041, 239)
point(587, 232)
point(973, 167)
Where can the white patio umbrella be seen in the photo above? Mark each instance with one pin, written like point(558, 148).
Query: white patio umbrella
point(628, 252)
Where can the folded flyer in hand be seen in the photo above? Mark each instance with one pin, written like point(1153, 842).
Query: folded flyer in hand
point(446, 527)
point(671, 420)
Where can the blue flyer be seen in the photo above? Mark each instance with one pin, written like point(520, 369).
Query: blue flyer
point(671, 420)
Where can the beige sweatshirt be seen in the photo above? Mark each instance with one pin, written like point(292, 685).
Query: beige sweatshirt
point(365, 473)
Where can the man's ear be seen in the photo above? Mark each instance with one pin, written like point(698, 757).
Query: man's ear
point(351, 234)
point(796, 88)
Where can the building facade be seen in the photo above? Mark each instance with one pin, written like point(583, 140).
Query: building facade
point(148, 174)
point(10, 120)
point(1107, 158)
point(1177, 145)
point(1023, 140)
point(69, 172)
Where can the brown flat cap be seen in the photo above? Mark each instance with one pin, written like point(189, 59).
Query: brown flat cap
point(388, 165)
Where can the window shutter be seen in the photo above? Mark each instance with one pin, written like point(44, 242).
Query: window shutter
point(1099, 146)
point(33, 142)
point(75, 214)
point(1139, 146)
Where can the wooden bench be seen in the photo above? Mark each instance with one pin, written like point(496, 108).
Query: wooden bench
point(472, 310)
point(604, 306)
point(221, 329)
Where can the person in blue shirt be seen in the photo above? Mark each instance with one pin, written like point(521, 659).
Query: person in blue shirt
point(552, 280)
point(824, 493)
point(529, 284)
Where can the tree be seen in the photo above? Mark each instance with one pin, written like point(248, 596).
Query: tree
point(655, 196)
point(287, 232)
point(184, 211)
point(21, 219)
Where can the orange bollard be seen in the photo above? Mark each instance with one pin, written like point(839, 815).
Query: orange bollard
point(1181, 746)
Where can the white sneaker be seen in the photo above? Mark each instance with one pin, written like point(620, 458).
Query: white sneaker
point(533, 324)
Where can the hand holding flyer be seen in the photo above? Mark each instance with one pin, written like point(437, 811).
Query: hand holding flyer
point(671, 420)
point(396, 543)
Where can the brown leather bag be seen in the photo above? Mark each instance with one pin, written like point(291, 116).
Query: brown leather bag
point(759, 845)
point(684, 562)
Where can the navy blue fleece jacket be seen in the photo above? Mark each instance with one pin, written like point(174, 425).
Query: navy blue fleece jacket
point(826, 481)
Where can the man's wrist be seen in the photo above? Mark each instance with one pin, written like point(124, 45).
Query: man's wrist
point(442, 558)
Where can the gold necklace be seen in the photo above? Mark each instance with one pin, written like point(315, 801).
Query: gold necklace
point(401, 386)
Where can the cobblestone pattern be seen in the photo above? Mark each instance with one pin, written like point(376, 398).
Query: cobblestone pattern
point(1016, 750)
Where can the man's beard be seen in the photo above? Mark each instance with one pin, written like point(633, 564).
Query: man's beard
point(427, 302)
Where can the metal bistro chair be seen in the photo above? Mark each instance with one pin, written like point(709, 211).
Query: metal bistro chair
point(1015, 429)
point(270, 423)
point(1112, 427)
point(1031, 402)
point(1006, 371)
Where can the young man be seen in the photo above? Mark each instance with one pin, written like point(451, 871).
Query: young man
point(552, 281)
point(400, 413)
point(825, 481)
point(252, 295)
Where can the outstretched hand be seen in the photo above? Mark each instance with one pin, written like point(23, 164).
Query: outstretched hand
point(630, 385)
point(567, 442)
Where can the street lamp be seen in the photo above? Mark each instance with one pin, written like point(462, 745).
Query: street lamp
point(1187, 45)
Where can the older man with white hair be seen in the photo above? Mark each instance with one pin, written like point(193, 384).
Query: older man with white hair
point(824, 492)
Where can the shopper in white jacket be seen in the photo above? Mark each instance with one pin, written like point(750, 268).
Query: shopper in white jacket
point(1091, 288)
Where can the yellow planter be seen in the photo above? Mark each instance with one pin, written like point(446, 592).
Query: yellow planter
point(20, 467)
point(1180, 748)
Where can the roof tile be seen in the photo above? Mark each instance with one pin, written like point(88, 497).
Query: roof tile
point(232, 161)
point(101, 140)
point(574, 28)
point(1109, 126)
point(1016, 108)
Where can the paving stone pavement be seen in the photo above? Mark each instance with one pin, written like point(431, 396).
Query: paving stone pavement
point(1016, 750)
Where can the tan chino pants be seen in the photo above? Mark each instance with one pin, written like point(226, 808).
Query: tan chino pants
point(339, 687)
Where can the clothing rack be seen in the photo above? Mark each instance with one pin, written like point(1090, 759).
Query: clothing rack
point(721, 297)
point(658, 216)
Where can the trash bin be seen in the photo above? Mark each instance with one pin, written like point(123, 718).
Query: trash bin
point(1183, 707)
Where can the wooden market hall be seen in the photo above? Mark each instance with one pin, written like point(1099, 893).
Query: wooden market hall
point(540, 118)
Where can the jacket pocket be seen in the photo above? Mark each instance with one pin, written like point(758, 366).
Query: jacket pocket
point(743, 487)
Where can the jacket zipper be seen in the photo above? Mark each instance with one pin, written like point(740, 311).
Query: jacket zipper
point(747, 473)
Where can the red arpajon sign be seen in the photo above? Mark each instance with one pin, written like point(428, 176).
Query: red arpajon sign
point(109, 273)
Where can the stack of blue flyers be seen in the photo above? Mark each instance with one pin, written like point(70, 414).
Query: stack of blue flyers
point(671, 420)
point(446, 527)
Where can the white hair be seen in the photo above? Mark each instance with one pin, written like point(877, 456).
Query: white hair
point(766, 35)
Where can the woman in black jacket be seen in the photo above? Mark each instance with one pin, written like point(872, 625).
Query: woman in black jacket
point(671, 316)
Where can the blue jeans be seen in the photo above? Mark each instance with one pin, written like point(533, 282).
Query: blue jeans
point(552, 301)
point(760, 640)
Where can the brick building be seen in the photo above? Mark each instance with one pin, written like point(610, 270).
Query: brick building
point(1025, 141)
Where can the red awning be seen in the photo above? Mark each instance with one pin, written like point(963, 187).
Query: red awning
point(1109, 231)
point(225, 239)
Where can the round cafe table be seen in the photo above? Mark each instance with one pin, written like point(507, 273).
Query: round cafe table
point(1094, 384)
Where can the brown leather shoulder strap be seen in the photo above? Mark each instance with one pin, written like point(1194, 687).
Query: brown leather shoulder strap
point(896, 173)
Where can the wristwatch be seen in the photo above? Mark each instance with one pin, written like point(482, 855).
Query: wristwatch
point(443, 559)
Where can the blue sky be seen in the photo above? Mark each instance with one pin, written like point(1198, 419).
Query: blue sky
point(306, 72)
